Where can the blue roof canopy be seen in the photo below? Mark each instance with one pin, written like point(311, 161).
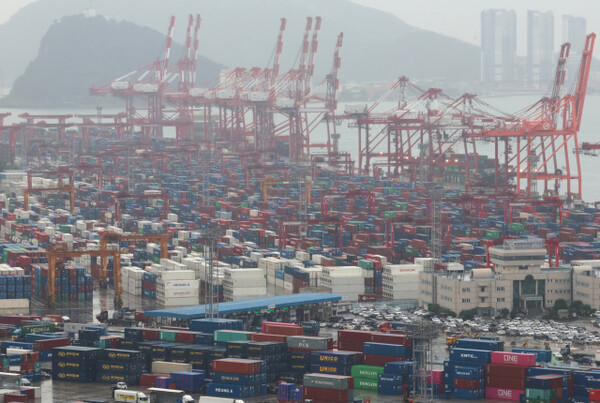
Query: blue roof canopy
point(280, 301)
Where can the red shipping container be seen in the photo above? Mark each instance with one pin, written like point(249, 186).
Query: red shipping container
point(466, 383)
point(379, 360)
point(15, 397)
point(326, 394)
point(355, 336)
point(185, 337)
point(283, 330)
point(505, 371)
point(594, 395)
point(391, 339)
point(237, 366)
point(149, 379)
point(350, 346)
point(504, 382)
point(151, 334)
point(49, 344)
point(516, 359)
point(268, 337)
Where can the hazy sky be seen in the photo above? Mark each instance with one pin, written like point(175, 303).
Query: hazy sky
point(457, 18)
point(461, 18)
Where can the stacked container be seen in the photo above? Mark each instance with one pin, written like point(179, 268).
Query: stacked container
point(505, 376)
point(366, 376)
point(300, 349)
point(464, 375)
point(120, 366)
point(546, 388)
point(149, 285)
point(237, 378)
point(242, 284)
point(333, 362)
point(396, 378)
point(75, 364)
point(345, 280)
point(288, 392)
point(71, 284)
point(177, 288)
point(131, 278)
point(380, 354)
point(328, 388)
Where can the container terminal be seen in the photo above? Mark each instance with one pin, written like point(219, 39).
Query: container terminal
point(223, 263)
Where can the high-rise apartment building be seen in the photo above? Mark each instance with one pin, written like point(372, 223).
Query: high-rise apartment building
point(498, 45)
point(540, 46)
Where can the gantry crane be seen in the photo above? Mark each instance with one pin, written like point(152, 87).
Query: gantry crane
point(347, 195)
point(53, 255)
point(264, 183)
point(111, 236)
point(62, 171)
point(338, 221)
point(158, 195)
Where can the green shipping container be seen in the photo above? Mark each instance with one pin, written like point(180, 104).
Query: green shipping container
point(541, 394)
point(231, 335)
point(167, 335)
point(389, 214)
point(366, 372)
point(492, 234)
point(365, 264)
point(366, 384)
point(517, 226)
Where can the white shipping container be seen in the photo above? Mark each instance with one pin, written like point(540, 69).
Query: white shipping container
point(164, 367)
point(177, 275)
point(174, 301)
point(244, 282)
point(259, 291)
point(176, 292)
point(20, 303)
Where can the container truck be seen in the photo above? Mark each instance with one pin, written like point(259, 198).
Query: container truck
point(130, 396)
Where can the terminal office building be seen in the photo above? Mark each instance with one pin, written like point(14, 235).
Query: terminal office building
point(520, 280)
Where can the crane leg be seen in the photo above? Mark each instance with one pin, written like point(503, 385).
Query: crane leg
point(118, 302)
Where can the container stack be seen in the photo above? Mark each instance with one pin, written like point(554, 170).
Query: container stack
point(505, 376)
point(149, 285)
point(345, 280)
point(464, 375)
point(396, 378)
point(74, 364)
point(328, 388)
point(288, 392)
point(300, 349)
point(366, 376)
point(71, 283)
point(188, 381)
point(546, 388)
point(379, 354)
point(401, 281)
point(237, 378)
point(333, 362)
point(132, 278)
point(120, 366)
point(177, 288)
point(241, 284)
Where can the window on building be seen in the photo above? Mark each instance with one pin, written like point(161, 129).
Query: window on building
point(466, 290)
point(500, 299)
point(482, 288)
point(466, 300)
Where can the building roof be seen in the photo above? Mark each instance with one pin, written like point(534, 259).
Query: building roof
point(257, 304)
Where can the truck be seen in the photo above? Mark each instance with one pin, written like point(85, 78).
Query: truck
point(213, 399)
point(130, 396)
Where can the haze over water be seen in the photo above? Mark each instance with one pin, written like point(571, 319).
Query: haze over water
point(590, 132)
